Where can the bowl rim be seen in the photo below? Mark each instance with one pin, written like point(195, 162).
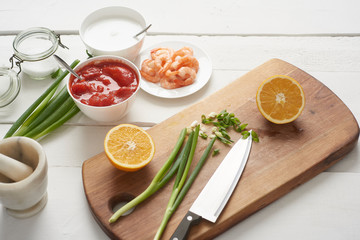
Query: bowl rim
point(102, 57)
point(110, 8)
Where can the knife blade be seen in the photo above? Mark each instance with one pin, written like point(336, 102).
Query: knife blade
point(216, 193)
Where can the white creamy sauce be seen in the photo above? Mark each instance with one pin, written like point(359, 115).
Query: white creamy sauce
point(112, 33)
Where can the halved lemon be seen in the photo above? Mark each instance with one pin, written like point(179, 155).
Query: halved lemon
point(280, 99)
point(129, 147)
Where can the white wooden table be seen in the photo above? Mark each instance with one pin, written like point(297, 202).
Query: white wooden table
point(320, 37)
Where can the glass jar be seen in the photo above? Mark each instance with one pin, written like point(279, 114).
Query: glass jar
point(9, 87)
point(33, 48)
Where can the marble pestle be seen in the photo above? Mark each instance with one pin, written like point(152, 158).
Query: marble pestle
point(14, 169)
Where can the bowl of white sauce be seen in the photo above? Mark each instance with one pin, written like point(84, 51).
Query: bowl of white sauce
point(111, 31)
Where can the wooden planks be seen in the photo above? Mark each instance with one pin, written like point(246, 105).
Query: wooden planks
point(324, 54)
point(286, 156)
point(232, 16)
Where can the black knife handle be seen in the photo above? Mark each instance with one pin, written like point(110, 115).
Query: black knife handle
point(183, 229)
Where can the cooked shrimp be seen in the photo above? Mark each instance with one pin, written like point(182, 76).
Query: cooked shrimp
point(185, 51)
point(156, 52)
point(185, 76)
point(175, 79)
point(162, 58)
point(171, 69)
point(148, 71)
point(186, 61)
point(163, 64)
point(171, 73)
point(168, 83)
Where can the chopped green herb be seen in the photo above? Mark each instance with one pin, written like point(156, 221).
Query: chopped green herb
point(216, 152)
point(203, 135)
point(223, 121)
point(254, 136)
point(245, 134)
point(89, 54)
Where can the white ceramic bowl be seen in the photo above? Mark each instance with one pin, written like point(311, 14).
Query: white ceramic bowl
point(113, 112)
point(110, 31)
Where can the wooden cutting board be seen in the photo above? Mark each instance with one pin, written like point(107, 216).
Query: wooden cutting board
point(286, 156)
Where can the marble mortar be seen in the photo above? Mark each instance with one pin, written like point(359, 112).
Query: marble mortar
point(27, 197)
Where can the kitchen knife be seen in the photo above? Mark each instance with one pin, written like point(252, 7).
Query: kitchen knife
point(216, 193)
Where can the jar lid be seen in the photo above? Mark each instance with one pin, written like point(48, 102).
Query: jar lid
point(9, 86)
point(35, 44)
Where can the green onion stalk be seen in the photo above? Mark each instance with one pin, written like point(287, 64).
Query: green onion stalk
point(160, 179)
point(47, 113)
point(181, 185)
point(56, 115)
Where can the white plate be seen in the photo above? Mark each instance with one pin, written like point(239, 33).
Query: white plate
point(202, 77)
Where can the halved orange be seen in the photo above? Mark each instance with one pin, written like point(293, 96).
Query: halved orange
point(280, 99)
point(129, 147)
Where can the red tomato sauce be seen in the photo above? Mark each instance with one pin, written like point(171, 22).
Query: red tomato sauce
point(104, 83)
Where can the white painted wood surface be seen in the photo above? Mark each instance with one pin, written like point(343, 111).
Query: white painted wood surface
point(321, 37)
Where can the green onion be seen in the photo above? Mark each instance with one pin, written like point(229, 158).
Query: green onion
point(194, 174)
point(158, 181)
point(37, 111)
point(182, 175)
point(73, 110)
point(49, 120)
point(56, 73)
point(180, 190)
point(52, 106)
point(42, 108)
point(183, 155)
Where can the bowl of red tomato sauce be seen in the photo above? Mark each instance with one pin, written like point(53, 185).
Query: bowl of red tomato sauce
point(106, 89)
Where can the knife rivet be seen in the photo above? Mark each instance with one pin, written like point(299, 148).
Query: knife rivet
point(189, 218)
